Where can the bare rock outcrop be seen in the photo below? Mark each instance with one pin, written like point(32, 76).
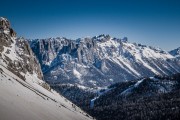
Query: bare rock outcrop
point(16, 54)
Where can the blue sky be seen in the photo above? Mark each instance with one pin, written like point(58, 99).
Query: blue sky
point(150, 22)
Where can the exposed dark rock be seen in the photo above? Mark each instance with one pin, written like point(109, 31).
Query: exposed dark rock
point(4, 24)
point(16, 54)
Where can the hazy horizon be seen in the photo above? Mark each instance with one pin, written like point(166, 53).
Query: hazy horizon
point(154, 23)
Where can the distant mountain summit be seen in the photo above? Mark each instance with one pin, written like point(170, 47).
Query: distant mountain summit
point(175, 52)
point(100, 61)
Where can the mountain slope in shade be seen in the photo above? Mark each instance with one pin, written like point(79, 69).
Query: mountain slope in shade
point(100, 61)
point(154, 98)
point(23, 93)
point(175, 52)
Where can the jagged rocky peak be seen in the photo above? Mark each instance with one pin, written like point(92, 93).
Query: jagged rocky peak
point(125, 39)
point(4, 23)
point(17, 56)
point(102, 38)
point(175, 52)
point(6, 38)
point(5, 27)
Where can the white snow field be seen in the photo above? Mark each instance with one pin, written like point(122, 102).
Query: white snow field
point(21, 100)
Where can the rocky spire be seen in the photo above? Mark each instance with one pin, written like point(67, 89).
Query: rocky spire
point(5, 27)
point(4, 23)
point(17, 56)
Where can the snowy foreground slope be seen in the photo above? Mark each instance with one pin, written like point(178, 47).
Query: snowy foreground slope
point(20, 100)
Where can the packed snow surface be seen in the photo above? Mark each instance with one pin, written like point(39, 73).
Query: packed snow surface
point(26, 100)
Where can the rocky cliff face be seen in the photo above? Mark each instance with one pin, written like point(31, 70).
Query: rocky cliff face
point(16, 54)
point(100, 61)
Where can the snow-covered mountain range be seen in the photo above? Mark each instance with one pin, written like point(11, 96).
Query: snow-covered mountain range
point(23, 93)
point(100, 61)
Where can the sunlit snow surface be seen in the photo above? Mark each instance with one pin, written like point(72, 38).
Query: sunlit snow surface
point(29, 101)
